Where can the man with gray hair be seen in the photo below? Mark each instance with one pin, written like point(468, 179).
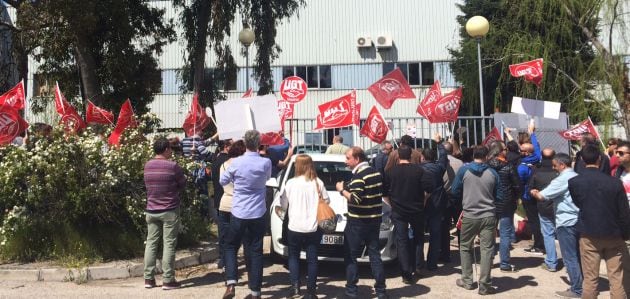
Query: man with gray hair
point(248, 173)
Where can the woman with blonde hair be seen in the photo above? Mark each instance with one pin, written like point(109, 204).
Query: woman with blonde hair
point(301, 197)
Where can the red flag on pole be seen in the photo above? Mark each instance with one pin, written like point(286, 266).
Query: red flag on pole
point(338, 113)
point(196, 119)
point(492, 136)
point(375, 126)
point(285, 111)
point(391, 87)
point(271, 138)
point(433, 95)
point(576, 132)
point(357, 115)
point(126, 119)
point(11, 124)
point(71, 120)
point(531, 70)
point(14, 97)
point(97, 115)
point(445, 109)
point(248, 94)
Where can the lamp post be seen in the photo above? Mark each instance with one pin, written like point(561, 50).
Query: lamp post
point(477, 27)
point(246, 37)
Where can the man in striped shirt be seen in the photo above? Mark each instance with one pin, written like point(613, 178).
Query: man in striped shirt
point(365, 204)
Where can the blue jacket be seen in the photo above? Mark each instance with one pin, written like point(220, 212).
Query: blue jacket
point(525, 170)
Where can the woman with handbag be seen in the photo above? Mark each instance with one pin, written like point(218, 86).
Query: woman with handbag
point(301, 196)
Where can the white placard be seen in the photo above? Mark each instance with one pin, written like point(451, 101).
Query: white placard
point(535, 108)
point(235, 117)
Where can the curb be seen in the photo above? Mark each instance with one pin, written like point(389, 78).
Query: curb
point(118, 270)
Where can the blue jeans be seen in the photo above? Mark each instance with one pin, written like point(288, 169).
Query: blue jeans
point(568, 237)
point(506, 229)
point(356, 234)
point(548, 230)
point(309, 241)
point(405, 246)
point(251, 233)
point(223, 222)
point(434, 222)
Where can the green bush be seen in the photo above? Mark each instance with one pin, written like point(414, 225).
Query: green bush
point(69, 196)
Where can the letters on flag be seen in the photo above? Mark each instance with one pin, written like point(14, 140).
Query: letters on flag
point(285, 111)
point(576, 132)
point(492, 136)
point(338, 113)
point(391, 87)
point(14, 97)
point(196, 119)
point(71, 120)
point(532, 71)
point(126, 119)
point(433, 95)
point(445, 109)
point(11, 124)
point(375, 126)
point(97, 115)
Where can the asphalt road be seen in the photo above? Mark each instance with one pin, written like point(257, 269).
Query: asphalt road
point(207, 282)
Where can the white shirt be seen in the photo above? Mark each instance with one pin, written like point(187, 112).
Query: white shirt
point(625, 179)
point(302, 198)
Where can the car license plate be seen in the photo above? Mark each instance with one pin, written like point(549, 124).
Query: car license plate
point(332, 239)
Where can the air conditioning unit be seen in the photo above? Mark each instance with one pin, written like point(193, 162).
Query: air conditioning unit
point(384, 41)
point(364, 42)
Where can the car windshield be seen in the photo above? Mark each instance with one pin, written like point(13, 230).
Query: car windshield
point(329, 172)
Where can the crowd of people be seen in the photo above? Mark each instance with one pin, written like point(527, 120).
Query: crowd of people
point(582, 202)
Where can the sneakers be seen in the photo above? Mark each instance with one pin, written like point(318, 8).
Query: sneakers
point(460, 283)
point(488, 291)
point(171, 285)
point(534, 251)
point(149, 283)
point(509, 269)
point(567, 294)
point(545, 267)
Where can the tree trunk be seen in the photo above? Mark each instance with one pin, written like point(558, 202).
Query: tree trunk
point(87, 67)
point(198, 61)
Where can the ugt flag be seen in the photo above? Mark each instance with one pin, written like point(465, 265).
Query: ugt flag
point(126, 119)
point(338, 113)
point(576, 132)
point(492, 136)
point(11, 124)
point(14, 98)
point(375, 126)
point(196, 119)
point(97, 115)
point(391, 87)
point(71, 120)
point(444, 109)
point(531, 70)
point(433, 95)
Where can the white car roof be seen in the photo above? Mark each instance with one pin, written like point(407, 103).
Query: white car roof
point(323, 157)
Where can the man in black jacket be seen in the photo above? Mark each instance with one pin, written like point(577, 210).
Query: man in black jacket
point(542, 176)
point(603, 223)
point(508, 192)
point(434, 164)
point(404, 186)
point(604, 164)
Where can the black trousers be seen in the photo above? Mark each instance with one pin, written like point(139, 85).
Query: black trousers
point(531, 210)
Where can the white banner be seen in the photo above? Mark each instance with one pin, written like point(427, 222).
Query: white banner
point(235, 117)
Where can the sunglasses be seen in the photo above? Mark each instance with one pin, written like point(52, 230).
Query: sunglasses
point(621, 153)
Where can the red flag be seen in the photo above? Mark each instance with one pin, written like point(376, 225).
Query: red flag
point(492, 136)
point(271, 138)
point(126, 119)
point(11, 124)
point(248, 94)
point(531, 70)
point(285, 111)
point(196, 119)
point(14, 97)
point(375, 126)
point(391, 87)
point(445, 109)
point(433, 95)
point(71, 120)
point(97, 115)
point(338, 113)
point(576, 132)
point(357, 115)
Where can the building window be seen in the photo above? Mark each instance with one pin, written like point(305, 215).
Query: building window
point(416, 73)
point(316, 76)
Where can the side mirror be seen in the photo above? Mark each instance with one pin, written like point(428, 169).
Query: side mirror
point(273, 183)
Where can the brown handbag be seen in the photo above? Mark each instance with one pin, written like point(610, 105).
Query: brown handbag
point(326, 218)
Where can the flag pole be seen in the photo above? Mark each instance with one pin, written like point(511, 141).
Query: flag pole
point(596, 131)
